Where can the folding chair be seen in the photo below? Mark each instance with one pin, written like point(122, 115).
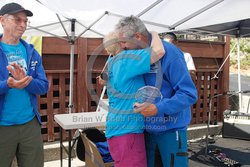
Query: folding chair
point(93, 157)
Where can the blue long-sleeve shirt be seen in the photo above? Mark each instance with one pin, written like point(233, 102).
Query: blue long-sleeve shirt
point(177, 88)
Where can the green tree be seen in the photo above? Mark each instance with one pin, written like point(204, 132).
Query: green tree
point(244, 52)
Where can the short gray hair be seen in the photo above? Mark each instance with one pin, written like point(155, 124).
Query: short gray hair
point(128, 26)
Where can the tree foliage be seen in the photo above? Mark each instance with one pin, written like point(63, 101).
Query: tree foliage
point(244, 52)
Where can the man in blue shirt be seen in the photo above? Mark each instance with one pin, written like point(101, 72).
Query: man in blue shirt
point(124, 128)
point(22, 78)
point(166, 121)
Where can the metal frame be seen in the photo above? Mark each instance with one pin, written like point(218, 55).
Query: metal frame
point(196, 13)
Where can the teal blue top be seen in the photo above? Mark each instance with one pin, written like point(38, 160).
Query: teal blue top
point(125, 78)
point(17, 108)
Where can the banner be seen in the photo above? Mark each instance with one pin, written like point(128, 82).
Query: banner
point(36, 41)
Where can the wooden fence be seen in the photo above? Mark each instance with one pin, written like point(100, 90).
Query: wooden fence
point(208, 56)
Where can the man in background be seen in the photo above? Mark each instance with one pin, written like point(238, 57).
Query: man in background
point(22, 78)
point(172, 38)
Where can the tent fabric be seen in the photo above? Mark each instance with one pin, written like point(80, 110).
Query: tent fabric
point(238, 28)
point(166, 13)
point(96, 18)
point(42, 15)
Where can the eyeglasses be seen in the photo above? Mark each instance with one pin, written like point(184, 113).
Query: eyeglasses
point(18, 20)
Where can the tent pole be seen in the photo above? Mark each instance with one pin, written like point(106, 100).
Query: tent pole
point(149, 8)
point(101, 97)
point(104, 88)
point(38, 29)
point(64, 26)
point(239, 77)
point(224, 32)
point(71, 81)
point(102, 35)
point(46, 25)
point(216, 75)
point(91, 25)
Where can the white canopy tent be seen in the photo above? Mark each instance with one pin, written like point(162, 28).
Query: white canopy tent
point(95, 18)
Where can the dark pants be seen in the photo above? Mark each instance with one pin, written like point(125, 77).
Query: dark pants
point(23, 141)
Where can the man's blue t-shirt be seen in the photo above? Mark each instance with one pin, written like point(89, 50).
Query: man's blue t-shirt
point(125, 78)
point(17, 107)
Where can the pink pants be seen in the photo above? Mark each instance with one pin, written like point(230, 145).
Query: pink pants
point(128, 150)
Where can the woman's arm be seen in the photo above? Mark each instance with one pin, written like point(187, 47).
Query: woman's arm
point(157, 48)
